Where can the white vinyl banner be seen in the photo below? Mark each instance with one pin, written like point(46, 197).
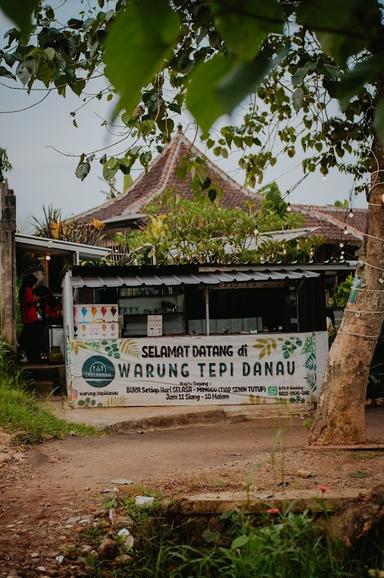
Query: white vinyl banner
point(190, 370)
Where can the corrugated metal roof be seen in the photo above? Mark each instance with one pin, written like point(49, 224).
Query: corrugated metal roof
point(215, 277)
point(59, 247)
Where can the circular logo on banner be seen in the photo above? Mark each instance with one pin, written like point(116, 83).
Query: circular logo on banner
point(98, 371)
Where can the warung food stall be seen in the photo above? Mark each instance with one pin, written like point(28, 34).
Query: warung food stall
point(187, 335)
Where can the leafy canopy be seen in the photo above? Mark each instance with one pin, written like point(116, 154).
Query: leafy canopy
point(291, 60)
point(197, 230)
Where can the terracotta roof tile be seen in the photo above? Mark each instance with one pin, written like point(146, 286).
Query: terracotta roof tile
point(332, 220)
point(161, 174)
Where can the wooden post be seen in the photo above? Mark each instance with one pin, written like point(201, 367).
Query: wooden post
point(7, 264)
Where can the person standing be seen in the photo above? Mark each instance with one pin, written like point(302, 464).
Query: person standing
point(31, 334)
point(49, 309)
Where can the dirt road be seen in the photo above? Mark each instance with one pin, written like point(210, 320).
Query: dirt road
point(47, 489)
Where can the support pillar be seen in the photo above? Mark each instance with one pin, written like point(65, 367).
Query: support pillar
point(7, 264)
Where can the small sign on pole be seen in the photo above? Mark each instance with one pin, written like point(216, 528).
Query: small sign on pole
point(154, 325)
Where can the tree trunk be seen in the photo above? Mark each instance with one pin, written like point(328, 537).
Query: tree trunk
point(340, 415)
point(359, 521)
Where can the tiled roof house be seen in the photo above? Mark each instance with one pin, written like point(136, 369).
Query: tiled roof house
point(126, 211)
point(161, 175)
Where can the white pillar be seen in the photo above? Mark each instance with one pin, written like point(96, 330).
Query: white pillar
point(67, 306)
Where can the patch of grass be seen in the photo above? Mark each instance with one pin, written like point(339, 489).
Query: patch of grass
point(274, 544)
point(22, 415)
point(287, 546)
point(292, 546)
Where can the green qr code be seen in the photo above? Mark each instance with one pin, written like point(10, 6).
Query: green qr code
point(272, 390)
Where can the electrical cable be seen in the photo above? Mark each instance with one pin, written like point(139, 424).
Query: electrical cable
point(360, 262)
point(363, 311)
point(371, 337)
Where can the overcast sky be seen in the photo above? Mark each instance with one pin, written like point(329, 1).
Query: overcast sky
point(41, 176)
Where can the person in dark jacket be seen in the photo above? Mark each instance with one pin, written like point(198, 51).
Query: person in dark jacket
point(49, 309)
point(49, 306)
point(32, 323)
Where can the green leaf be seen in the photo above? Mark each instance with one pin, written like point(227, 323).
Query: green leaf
point(202, 98)
point(78, 86)
point(75, 23)
point(239, 542)
point(126, 118)
point(45, 73)
point(244, 24)
point(23, 74)
point(300, 73)
point(343, 28)
point(110, 168)
point(145, 158)
point(332, 71)
point(353, 80)
point(20, 13)
point(219, 85)
point(49, 13)
point(378, 121)
point(82, 169)
point(206, 183)
point(245, 78)
point(125, 167)
point(139, 42)
point(211, 536)
point(297, 99)
point(6, 73)
point(212, 194)
point(127, 181)
point(9, 58)
point(166, 125)
point(50, 52)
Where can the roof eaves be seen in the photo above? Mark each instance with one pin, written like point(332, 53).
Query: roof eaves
point(48, 244)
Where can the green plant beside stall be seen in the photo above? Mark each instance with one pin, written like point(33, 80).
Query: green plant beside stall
point(21, 414)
